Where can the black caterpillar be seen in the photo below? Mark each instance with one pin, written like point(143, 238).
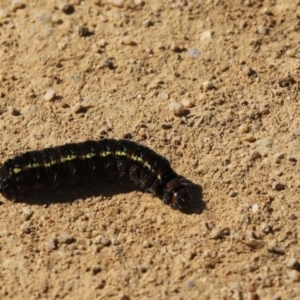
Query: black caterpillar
point(107, 158)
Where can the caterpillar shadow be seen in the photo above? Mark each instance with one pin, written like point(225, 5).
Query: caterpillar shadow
point(105, 189)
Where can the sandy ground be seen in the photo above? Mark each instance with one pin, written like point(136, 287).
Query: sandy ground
point(90, 70)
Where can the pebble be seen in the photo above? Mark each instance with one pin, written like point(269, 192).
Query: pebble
point(255, 208)
point(292, 263)
point(290, 52)
point(27, 213)
point(83, 31)
point(244, 128)
point(206, 35)
point(147, 23)
point(96, 269)
point(248, 71)
point(66, 239)
point(193, 52)
point(3, 13)
point(261, 29)
point(51, 245)
point(128, 40)
point(175, 48)
point(187, 102)
point(77, 108)
point(177, 108)
point(291, 159)
point(277, 186)
point(233, 193)
point(294, 275)
point(164, 95)
point(208, 85)
point(49, 95)
point(255, 155)
point(17, 4)
point(105, 242)
point(250, 138)
point(13, 111)
point(274, 249)
point(66, 8)
point(266, 228)
point(216, 233)
point(117, 3)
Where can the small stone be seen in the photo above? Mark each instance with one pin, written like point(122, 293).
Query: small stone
point(164, 95)
point(105, 242)
point(11, 110)
point(49, 95)
point(293, 217)
point(83, 31)
point(294, 275)
point(244, 128)
point(292, 263)
point(278, 186)
point(255, 208)
point(117, 3)
point(27, 212)
point(266, 228)
point(208, 85)
point(96, 269)
point(3, 13)
point(255, 155)
point(108, 63)
point(128, 40)
point(66, 8)
point(216, 233)
point(233, 193)
point(175, 48)
point(147, 23)
point(274, 249)
point(291, 159)
point(261, 29)
point(206, 35)
point(248, 71)
point(51, 245)
point(296, 133)
point(187, 102)
point(66, 239)
point(250, 138)
point(17, 4)
point(177, 108)
point(290, 52)
point(77, 108)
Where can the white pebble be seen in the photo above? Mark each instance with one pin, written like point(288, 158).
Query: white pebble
point(255, 208)
point(117, 3)
point(176, 108)
point(17, 4)
point(294, 275)
point(244, 128)
point(187, 102)
point(206, 35)
point(128, 40)
point(27, 212)
point(290, 52)
point(164, 95)
point(261, 29)
point(49, 95)
point(208, 85)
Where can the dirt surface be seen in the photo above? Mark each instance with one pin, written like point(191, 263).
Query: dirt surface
point(90, 70)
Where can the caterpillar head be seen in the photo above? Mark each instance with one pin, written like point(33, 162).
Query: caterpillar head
point(176, 194)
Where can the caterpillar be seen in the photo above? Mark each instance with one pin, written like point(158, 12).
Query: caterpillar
point(107, 158)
